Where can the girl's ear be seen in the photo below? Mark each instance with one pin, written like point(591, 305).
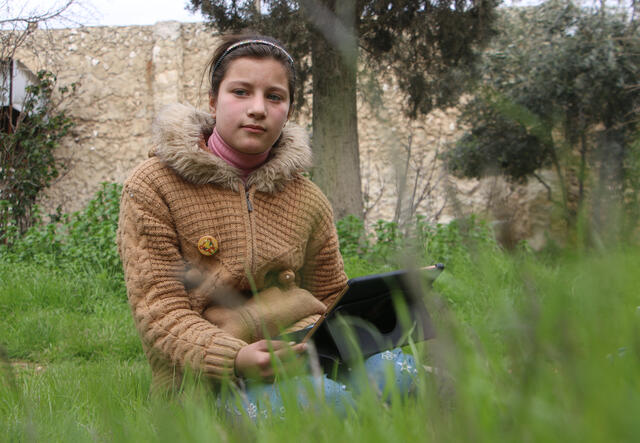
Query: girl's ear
point(212, 105)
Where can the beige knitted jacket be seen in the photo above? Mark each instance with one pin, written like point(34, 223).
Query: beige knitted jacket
point(278, 221)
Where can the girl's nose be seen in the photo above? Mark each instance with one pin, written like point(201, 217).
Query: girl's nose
point(257, 107)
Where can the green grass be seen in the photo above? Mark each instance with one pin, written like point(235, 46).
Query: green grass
point(60, 315)
point(533, 349)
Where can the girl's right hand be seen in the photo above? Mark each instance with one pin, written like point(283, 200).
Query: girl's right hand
point(254, 360)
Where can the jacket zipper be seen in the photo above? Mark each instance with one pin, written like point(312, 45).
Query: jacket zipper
point(249, 205)
point(251, 237)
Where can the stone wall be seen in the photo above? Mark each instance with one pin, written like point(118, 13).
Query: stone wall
point(126, 74)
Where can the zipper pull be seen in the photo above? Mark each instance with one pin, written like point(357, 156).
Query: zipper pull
point(249, 205)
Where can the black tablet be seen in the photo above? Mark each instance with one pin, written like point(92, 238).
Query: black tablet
point(374, 313)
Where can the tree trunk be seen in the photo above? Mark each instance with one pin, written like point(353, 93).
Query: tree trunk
point(334, 56)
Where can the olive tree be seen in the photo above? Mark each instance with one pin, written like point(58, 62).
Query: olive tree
point(559, 90)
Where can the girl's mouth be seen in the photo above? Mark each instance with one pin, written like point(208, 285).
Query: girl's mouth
point(254, 128)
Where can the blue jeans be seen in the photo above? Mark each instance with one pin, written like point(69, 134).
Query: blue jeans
point(259, 400)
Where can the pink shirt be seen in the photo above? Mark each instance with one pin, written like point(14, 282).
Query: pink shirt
point(246, 163)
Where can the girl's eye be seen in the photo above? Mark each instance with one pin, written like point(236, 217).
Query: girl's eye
point(240, 92)
point(274, 97)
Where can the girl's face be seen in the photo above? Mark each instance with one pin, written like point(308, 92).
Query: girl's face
point(252, 105)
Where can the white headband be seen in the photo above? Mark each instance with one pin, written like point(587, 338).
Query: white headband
point(246, 43)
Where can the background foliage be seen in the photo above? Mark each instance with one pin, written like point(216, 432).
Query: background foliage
point(559, 89)
point(85, 238)
point(27, 161)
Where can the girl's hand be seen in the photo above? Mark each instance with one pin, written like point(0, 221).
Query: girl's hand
point(254, 360)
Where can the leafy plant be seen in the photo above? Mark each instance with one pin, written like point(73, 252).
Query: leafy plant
point(86, 238)
point(386, 247)
point(352, 235)
point(27, 161)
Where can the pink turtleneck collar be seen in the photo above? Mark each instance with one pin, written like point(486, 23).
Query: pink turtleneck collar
point(246, 163)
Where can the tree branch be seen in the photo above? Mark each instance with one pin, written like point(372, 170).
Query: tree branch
point(546, 185)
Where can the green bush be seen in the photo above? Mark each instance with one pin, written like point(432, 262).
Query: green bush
point(352, 235)
point(86, 238)
point(27, 162)
point(386, 247)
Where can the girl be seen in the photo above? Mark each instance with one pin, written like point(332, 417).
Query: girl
point(224, 242)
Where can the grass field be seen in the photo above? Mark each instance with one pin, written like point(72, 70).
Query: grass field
point(529, 348)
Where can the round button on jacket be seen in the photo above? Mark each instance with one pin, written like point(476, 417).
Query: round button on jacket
point(207, 245)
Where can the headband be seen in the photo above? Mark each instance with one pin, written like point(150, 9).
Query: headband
point(237, 45)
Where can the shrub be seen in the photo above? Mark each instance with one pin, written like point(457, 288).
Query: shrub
point(27, 163)
point(386, 247)
point(87, 237)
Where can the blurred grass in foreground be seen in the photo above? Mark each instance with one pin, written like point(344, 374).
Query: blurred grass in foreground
point(529, 349)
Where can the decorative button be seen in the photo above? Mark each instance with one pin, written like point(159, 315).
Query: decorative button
point(286, 277)
point(207, 245)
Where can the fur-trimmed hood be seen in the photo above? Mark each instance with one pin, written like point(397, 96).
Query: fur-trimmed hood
point(180, 131)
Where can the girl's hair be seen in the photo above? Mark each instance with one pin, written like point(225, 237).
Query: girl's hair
point(257, 46)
